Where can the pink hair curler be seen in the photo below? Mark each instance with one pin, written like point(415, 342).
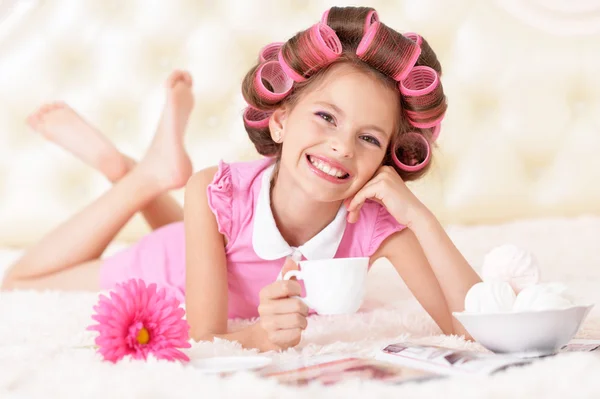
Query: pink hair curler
point(269, 52)
point(414, 116)
point(256, 118)
point(319, 46)
point(295, 76)
point(367, 39)
point(420, 81)
point(415, 37)
point(280, 83)
point(326, 41)
point(418, 87)
point(325, 16)
point(414, 147)
point(371, 18)
point(407, 50)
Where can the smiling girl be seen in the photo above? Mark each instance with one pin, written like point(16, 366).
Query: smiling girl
point(344, 113)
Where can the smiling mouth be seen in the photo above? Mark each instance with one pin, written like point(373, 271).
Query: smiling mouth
point(327, 169)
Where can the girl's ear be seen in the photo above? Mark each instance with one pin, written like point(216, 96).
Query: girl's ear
point(277, 124)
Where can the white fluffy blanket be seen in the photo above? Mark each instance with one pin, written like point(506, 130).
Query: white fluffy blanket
point(44, 348)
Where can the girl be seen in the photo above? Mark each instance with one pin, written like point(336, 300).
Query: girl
point(344, 113)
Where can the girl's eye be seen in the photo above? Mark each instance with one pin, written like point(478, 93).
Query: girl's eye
point(372, 140)
point(326, 117)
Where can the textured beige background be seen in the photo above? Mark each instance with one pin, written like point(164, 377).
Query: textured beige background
point(521, 138)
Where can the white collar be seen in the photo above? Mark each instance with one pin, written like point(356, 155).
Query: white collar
point(270, 245)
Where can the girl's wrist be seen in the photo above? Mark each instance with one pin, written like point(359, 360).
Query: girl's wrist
point(256, 338)
point(420, 217)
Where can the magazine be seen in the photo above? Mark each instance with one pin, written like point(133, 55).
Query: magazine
point(328, 371)
point(448, 361)
point(581, 345)
point(404, 362)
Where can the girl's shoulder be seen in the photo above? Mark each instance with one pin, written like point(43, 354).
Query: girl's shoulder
point(232, 191)
point(245, 174)
point(375, 224)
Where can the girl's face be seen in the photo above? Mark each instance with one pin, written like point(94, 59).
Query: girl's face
point(336, 136)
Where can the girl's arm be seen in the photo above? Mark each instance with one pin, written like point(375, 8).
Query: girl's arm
point(282, 318)
point(403, 251)
point(452, 270)
point(206, 266)
point(432, 268)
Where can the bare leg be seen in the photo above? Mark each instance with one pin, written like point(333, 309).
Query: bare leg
point(83, 277)
point(61, 124)
point(85, 236)
point(162, 210)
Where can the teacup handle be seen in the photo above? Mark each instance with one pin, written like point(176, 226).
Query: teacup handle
point(298, 275)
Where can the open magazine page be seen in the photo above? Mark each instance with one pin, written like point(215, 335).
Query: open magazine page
point(328, 371)
point(447, 361)
point(582, 345)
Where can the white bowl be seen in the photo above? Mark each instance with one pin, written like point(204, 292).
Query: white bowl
point(533, 333)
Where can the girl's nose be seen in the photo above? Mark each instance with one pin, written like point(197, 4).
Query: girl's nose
point(343, 145)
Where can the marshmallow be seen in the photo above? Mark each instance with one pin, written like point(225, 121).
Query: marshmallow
point(542, 297)
point(512, 264)
point(490, 297)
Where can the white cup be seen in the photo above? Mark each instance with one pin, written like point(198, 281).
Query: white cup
point(333, 286)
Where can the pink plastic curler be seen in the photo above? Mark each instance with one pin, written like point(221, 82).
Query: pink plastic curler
point(326, 40)
point(256, 118)
point(269, 52)
point(412, 118)
point(420, 149)
point(411, 63)
point(415, 37)
point(367, 38)
point(325, 16)
point(420, 81)
point(371, 18)
point(413, 60)
point(367, 41)
point(295, 76)
point(272, 73)
point(324, 47)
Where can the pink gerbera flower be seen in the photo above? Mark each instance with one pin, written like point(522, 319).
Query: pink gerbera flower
point(137, 320)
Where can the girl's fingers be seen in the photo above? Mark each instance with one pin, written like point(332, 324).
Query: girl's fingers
point(284, 322)
point(283, 306)
point(353, 216)
point(347, 201)
point(280, 289)
point(286, 338)
point(366, 192)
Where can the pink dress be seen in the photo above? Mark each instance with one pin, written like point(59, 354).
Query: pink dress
point(256, 251)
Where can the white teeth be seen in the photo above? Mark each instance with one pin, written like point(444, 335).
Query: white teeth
point(331, 171)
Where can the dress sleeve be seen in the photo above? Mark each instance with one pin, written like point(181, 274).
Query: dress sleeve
point(385, 225)
point(220, 199)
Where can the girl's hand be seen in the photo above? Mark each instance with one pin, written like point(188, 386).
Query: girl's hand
point(388, 189)
point(282, 318)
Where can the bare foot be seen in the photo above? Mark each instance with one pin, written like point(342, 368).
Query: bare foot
point(60, 124)
point(166, 159)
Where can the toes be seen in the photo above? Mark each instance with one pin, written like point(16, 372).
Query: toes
point(32, 119)
point(178, 76)
point(50, 107)
point(174, 78)
point(188, 79)
point(45, 108)
point(37, 117)
point(59, 105)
